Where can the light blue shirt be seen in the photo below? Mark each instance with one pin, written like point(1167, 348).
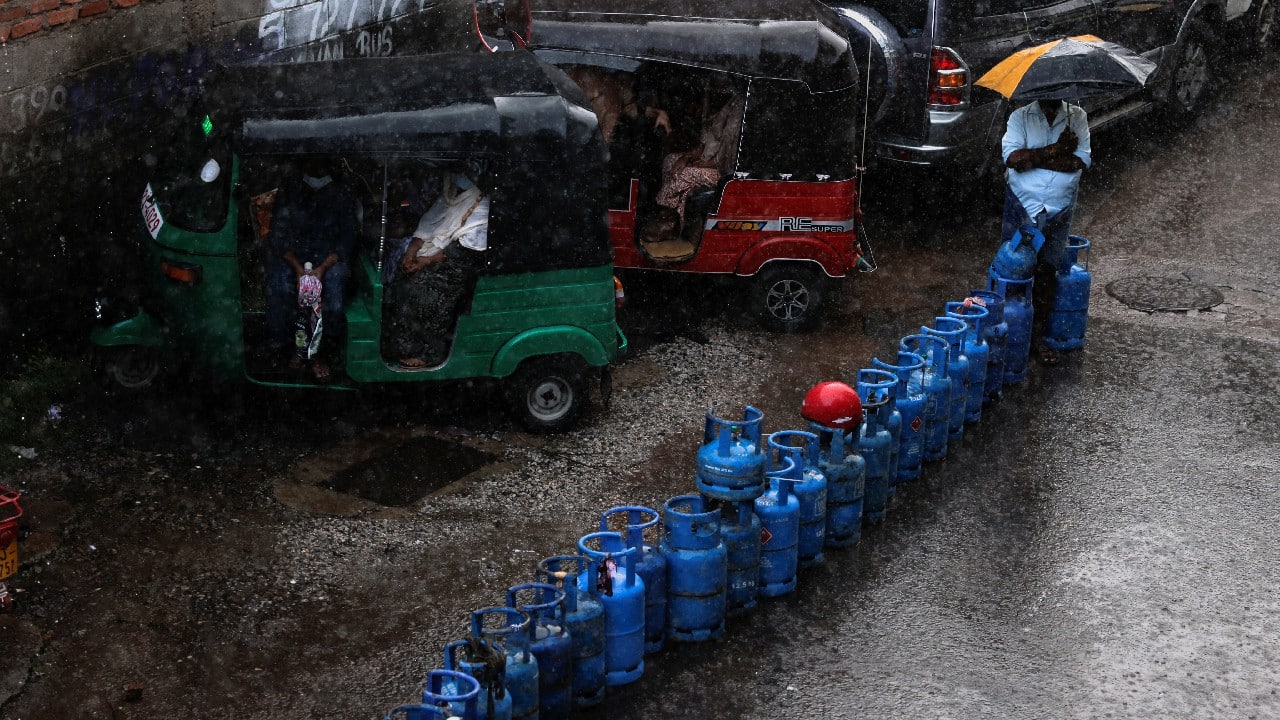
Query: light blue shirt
point(1040, 190)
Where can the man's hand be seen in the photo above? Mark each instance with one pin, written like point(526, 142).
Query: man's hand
point(1023, 160)
point(1059, 155)
point(330, 260)
point(1066, 143)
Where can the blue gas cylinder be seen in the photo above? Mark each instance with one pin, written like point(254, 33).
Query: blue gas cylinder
point(875, 445)
point(779, 512)
point(953, 331)
point(810, 491)
point(846, 473)
point(484, 660)
point(1069, 317)
point(697, 569)
point(512, 630)
point(425, 712)
point(730, 464)
point(1016, 257)
point(550, 644)
point(996, 332)
point(584, 618)
point(452, 693)
point(619, 587)
point(909, 399)
point(1018, 313)
point(936, 385)
point(740, 530)
point(652, 567)
point(881, 378)
point(975, 348)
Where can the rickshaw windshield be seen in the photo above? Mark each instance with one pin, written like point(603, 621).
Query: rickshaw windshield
point(192, 181)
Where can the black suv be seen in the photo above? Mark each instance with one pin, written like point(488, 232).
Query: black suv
point(925, 55)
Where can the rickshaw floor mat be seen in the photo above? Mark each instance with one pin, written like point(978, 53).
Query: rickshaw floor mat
point(669, 250)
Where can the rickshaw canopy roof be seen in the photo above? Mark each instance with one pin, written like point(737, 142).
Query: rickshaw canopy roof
point(784, 39)
point(546, 166)
point(466, 103)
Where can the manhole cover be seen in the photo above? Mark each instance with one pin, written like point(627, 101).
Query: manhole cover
point(406, 473)
point(1150, 294)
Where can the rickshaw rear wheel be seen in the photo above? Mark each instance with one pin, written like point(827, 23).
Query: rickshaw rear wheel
point(547, 393)
point(131, 367)
point(788, 297)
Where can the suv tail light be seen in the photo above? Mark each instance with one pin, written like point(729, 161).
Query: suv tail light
point(948, 78)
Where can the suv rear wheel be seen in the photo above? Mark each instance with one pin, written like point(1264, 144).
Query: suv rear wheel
point(1193, 71)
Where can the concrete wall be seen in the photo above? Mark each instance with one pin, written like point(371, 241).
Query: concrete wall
point(76, 69)
point(89, 89)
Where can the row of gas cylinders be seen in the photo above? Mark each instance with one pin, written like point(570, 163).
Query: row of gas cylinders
point(765, 507)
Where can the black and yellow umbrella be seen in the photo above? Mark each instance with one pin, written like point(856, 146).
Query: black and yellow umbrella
point(1070, 68)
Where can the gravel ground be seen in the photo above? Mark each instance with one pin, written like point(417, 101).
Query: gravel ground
point(189, 551)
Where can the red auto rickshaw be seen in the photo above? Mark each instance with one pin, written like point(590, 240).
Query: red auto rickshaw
point(776, 82)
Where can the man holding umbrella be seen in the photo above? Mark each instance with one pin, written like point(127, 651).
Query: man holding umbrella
point(1046, 143)
point(1046, 148)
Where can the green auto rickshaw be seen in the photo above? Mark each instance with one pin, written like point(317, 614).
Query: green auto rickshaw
point(536, 307)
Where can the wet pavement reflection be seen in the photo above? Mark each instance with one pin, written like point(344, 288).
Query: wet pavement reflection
point(1100, 544)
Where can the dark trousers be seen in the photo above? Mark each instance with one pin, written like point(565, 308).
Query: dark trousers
point(1056, 229)
point(424, 306)
point(282, 307)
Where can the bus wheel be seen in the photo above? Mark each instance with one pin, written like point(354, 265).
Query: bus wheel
point(788, 297)
point(131, 367)
point(547, 393)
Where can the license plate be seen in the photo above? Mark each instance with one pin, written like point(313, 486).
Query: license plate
point(9, 559)
point(151, 213)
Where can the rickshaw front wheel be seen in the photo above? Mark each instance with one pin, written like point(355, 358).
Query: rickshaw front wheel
point(131, 367)
point(547, 393)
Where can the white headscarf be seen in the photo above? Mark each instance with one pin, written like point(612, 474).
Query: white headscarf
point(461, 213)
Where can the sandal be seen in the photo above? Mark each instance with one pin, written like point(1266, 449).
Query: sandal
point(321, 371)
point(1047, 357)
point(413, 363)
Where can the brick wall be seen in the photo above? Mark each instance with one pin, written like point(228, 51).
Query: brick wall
point(21, 18)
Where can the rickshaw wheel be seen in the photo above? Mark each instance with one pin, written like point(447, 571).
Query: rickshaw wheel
point(132, 367)
point(788, 297)
point(547, 393)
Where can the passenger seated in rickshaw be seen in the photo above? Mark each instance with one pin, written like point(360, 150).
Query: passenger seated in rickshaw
point(433, 274)
point(632, 135)
point(316, 219)
point(703, 165)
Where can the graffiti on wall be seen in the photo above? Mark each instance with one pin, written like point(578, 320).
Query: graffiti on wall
point(317, 27)
point(42, 123)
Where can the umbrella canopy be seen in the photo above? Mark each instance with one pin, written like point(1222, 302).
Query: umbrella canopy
point(1068, 69)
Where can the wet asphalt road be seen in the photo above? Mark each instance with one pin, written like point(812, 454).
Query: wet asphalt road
point(1103, 543)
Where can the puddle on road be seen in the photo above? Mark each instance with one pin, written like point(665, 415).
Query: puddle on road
point(403, 474)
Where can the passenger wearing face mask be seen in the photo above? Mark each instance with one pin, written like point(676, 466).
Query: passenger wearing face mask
point(434, 273)
point(316, 220)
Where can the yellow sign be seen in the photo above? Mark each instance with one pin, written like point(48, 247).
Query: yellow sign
point(9, 559)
